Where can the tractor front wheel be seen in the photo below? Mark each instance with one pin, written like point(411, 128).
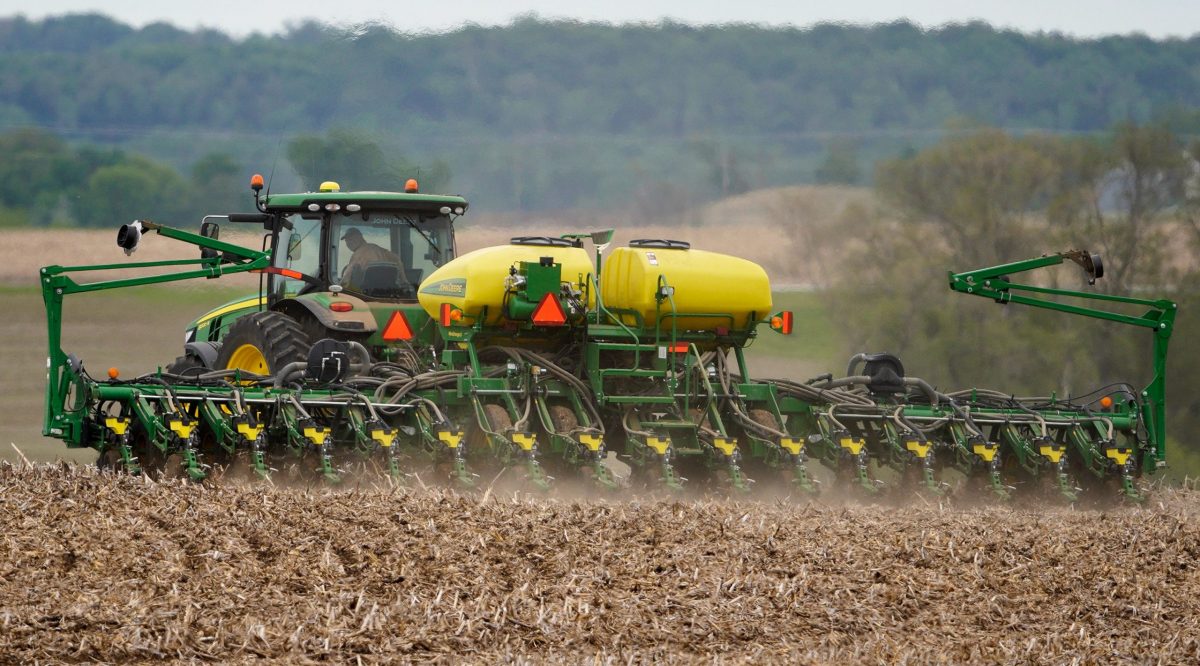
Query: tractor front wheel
point(262, 343)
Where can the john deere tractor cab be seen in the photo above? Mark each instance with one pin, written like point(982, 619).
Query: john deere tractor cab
point(343, 265)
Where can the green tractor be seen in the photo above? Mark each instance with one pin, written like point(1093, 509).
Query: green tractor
point(343, 266)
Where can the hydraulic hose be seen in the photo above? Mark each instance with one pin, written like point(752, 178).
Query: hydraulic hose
point(285, 373)
point(852, 366)
point(933, 395)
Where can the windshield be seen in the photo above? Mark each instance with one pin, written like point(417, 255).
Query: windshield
point(374, 255)
point(386, 255)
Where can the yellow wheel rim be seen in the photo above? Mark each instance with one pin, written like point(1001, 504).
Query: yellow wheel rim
point(248, 358)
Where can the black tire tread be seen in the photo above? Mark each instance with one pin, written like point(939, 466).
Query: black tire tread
point(280, 338)
point(182, 365)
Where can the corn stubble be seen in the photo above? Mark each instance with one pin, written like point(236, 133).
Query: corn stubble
point(96, 567)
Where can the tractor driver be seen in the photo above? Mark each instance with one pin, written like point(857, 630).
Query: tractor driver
point(366, 254)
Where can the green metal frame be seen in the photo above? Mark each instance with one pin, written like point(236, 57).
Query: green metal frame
point(57, 284)
point(994, 283)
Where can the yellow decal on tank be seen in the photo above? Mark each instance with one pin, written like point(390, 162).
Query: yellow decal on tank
point(451, 287)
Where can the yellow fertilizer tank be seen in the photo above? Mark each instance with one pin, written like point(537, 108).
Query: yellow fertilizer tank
point(705, 283)
point(475, 280)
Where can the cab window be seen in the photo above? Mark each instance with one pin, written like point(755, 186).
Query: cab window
point(298, 249)
point(386, 255)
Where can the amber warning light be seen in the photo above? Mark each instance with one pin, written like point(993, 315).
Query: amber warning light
point(450, 314)
point(782, 322)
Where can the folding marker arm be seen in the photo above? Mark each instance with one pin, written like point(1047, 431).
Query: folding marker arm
point(225, 258)
point(996, 283)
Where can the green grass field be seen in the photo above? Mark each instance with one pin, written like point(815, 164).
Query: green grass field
point(139, 329)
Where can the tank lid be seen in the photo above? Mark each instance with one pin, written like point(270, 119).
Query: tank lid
point(545, 241)
point(660, 244)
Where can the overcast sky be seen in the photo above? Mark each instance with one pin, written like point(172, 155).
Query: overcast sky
point(1157, 18)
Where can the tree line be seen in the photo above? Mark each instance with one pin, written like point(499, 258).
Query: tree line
point(555, 114)
point(46, 181)
point(533, 76)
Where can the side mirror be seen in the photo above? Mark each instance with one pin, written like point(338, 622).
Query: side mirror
point(209, 230)
point(295, 249)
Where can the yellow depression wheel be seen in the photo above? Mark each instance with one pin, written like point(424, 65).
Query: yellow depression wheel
point(249, 358)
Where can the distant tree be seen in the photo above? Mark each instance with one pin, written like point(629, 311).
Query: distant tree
point(978, 191)
point(213, 168)
point(358, 162)
point(987, 198)
point(34, 161)
point(971, 201)
point(220, 185)
point(1121, 189)
point(840, 165)
point(725, 174)
point(135, 189)
point(617, 96)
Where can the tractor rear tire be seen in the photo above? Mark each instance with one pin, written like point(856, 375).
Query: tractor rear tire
point(263, 343)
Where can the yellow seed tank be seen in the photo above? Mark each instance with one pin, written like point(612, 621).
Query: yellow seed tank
point(474, 281)
point(705, 283)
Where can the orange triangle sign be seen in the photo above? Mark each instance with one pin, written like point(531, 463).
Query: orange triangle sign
point(397, 327)
point(549, 312)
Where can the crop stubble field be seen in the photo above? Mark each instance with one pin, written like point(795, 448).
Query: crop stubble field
point(111, 568)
